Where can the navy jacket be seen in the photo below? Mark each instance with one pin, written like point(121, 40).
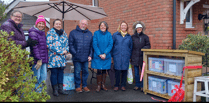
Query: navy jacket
point(80, 44)
point(121, 51)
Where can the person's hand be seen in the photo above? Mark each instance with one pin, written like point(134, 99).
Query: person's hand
point(103, 56)
point(38, 64)
point(65, 52)
point(31, 42)
point(89, 58)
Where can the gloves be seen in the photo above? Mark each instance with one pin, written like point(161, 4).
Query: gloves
point(31, 42)
point(38, 65)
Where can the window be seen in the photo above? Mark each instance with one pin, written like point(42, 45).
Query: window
point(95, 2)
point(189, 17)
point(206, 23)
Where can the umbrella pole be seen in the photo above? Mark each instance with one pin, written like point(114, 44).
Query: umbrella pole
point(63, 24)
point(63, 8)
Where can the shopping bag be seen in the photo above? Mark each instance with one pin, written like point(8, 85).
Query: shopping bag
point(130, 75)
point(68, 81)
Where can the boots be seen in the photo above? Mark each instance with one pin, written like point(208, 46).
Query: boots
point(99, 81)
point(103, 82)
point(55, 90)
point(61, 91)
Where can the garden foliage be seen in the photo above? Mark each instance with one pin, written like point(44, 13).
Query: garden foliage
point(17, 82)
point(197, 43)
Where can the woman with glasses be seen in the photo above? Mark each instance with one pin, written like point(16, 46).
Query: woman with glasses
point(102, 45)
point(14, 24)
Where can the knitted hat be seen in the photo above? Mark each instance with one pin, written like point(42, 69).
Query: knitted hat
point(40, 19)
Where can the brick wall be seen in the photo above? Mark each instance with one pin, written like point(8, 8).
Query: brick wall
point(181, 31)
point(156, 14)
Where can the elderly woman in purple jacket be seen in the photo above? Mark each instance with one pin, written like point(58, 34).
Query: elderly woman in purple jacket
point(14, 24)
point(39, 52)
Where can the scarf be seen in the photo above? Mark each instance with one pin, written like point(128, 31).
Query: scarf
point(123, 33)
point(59, 32)
point(37, 28)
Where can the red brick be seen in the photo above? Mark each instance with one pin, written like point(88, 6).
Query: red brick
point(156, 14)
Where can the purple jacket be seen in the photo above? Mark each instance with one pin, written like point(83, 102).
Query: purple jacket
point(39, 52)
point(18, 36)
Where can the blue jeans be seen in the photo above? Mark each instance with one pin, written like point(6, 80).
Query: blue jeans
point(120, 75)
point(57, 75)
point(78, 66)
point(137, 77)
point(41, 74)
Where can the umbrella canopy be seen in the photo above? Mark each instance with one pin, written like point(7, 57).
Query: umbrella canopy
point(63, 10)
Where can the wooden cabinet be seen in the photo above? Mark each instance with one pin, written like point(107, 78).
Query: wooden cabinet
point(190, 57)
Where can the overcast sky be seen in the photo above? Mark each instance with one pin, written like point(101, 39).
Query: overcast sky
point(9, 1)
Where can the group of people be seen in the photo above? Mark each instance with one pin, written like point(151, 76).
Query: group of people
point(101, 48)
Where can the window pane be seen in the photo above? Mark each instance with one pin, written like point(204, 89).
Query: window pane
point(188, 16)
point(96, 2)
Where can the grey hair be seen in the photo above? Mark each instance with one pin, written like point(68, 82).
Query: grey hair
point(14, 11)
point(83, 19)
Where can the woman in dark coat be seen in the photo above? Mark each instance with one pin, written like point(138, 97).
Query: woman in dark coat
point(140, 41)
point(121, 53)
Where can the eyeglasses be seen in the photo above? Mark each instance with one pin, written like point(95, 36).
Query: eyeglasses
point(84, 24)
point(17, 16)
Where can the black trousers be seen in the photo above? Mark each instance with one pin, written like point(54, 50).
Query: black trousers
point(100, 72)
point(120, 75)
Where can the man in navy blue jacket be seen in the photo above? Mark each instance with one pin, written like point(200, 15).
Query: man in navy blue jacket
point(80, 46)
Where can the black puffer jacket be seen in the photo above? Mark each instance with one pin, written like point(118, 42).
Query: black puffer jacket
point(140, 41)
point(80, 44)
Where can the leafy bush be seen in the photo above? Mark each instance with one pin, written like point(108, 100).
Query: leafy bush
point(197, 43)
point(2, 9)
point(17, 82)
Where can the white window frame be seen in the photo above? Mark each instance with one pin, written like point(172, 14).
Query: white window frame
point(189, 24)
point(93, 3)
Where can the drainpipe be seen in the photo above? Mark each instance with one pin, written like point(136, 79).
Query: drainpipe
point(174, 24)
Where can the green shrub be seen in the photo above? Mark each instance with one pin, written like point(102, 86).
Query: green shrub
point(16, 74)
point(197, 43)
point(2, 9)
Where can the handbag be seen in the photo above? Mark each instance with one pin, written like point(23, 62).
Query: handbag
point(130, 75)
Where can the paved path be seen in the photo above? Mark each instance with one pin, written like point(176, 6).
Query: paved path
point(110, 96)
